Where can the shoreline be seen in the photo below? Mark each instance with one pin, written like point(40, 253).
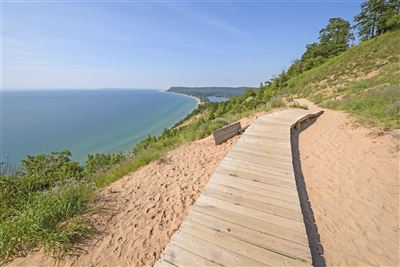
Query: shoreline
point(196, 98)
point(106, 147)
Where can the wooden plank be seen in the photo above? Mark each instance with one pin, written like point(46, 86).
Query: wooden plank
point(252, 251)
point(285, 184)
point(226, 132)
point(214, 253)
point(254, 204)
point(285, 193)
point(260, 159)
point(277, 220)
point(270, 192)
point(263, 161)
point(268, 131)
point(264, 153)
point(265, 144)
point(255, 196)
point(178, 256)
point(242, 177)
point(253, 223)
point(266, 149)
point(277, 137)
point(256, 167)
point(256, 141)
point(256, 164)
point(235, 172)
point(249, 213)
point(244, 161)
point(255, 237)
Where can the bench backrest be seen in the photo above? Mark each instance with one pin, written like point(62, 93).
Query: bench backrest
point(223, 134)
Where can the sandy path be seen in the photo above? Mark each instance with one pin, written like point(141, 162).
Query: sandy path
point(146, 207)
point(352, 178)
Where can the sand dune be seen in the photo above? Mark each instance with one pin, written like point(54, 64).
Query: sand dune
point(148, 206)
point(145, 207)
point(351, 174)
point(352, 178)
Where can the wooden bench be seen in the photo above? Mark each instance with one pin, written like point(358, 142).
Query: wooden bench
point(223, 134)
point(249, 213)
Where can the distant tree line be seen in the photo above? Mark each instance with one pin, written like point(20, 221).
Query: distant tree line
point(204, 92)
point(376, 17)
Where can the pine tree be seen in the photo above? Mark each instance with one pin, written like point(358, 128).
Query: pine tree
point(336, 37)
point(389, 20)
point(376, 17)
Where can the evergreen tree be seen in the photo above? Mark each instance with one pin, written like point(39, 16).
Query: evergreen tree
point(390, 19)
point(376, 17)
point(335, 37)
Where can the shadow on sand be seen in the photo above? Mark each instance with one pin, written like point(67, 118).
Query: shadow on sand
point(311, 228)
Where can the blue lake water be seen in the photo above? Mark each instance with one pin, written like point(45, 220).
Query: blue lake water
point(85, 121)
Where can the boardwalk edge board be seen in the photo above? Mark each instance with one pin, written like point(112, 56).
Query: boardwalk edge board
point(256, 217)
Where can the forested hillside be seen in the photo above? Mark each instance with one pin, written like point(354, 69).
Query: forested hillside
point(204, 92)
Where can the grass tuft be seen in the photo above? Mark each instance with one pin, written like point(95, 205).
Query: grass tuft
point(379, 107)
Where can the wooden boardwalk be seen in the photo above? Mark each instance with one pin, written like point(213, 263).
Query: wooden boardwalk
point(249, 213)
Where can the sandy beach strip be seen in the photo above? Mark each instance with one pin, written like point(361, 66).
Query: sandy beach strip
point(196, 98)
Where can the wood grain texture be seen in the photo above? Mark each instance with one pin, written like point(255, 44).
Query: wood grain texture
point(223, 134)
point(249, 213)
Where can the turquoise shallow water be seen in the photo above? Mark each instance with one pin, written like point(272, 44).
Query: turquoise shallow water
point(85, 121)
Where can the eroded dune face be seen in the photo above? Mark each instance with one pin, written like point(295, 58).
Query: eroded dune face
point(352, 178)
point(144, 208)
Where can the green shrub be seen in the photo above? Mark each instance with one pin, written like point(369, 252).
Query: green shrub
point(45, 170)
point(47, 220)
point(378, 107)
point(42, 205)
point(297, 105)
point(276, 102)
point(101, 162)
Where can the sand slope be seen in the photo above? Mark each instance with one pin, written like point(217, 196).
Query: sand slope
point(146, 207)
point(352, 178)
point(351, 174)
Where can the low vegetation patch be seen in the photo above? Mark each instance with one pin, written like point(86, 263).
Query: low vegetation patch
point(297, 105)
point(43, 205)
point(379, 107)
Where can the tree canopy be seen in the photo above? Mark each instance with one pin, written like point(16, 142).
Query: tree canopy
point(377, 17)
point(336, 36)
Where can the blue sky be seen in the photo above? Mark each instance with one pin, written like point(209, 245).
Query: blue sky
point(51, 45)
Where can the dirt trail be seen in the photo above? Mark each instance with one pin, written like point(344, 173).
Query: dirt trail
point(352, 178)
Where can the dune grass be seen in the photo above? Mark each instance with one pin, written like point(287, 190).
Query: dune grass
point(43, 206)
point(363, 81)
point(352, 64)
point(379, 107)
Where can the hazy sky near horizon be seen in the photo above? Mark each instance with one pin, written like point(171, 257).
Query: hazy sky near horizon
point(51, 45)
